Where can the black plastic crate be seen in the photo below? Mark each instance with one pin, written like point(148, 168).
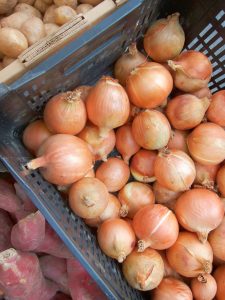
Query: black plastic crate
point(83, 61)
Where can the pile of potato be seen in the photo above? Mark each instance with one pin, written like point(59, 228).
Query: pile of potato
point(25, 22)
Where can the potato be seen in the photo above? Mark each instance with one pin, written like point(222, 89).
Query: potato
point(49, 16)
point(12, 42)
point(7, 61)
point(41, 6)
point(72, 3)
point(15, 20)
point(83, 8)
point(92, 2)
point(50, 28)
point(64, 14)
point(30, 2)
point(28, 9)
point(33, 29)
point(7, 5)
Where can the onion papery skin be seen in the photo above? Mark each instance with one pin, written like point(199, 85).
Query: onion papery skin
point(199, 210)
point(34, 135)
point(143, 271)
point(219, 276)
point(151, 130)
point(155, 226)
point(192, 71)
point(125, 142)
point(168, 271)
point(65, 113)
point(206, 144)
point(174, 170)
point(216, 111)
point(204, 287)
point(189, 257)
point(167, 32)
point(142, 165)
point(83, 90)
point(186, 111)
point(217, 240)
point(100, 146)
point(172, 288)
point(116, 238)
point(149, 85)
point(206, 175)
point(203, 92)
point(63, 159)
point(178, 140)
point(114, 173)
point(220, 180)
point(133, 196)
point(107, 105)
point(164, 196)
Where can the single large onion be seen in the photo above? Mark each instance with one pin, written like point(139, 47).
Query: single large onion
point(172, 288)
point(189, 257)
point(200, 211)
point(220, 180)
point(174, 170)
point(116, 238)
point(155, 226)
point(168, 271)
point(217, 240)
point(143, 271)
point(204, 287)
point(186, 111)
point(164, 39)
point(192, 71)
point(133, 196)
point(125, 143)
point(206, 144)
point(216, 111)
point(178, 140)
point(142, 165)
point(100, 146)
point(164, 196)
point(206, 175)
point(127, 63)
point(149, 85)
point(88, 197)
point(34, 135)
point(107, 105)
point(219, 276)
point(63, 159)
point(151, 130)
point(114, 173)
point(65, 113)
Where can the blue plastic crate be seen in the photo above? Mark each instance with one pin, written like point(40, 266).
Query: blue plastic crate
point(83, 61)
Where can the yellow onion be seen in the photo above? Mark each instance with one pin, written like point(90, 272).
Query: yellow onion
point(216, 111)
point(217, 241)
point(178, 140)
point(219, 276)
point(204, 287)
point(220, 180)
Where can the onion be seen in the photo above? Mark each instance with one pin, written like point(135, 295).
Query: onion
point(216, 111)
point(200, 211)
point(178, 140)
point(114, 173)
point(64, 14)
point(203, 92)
point(174, 170)
point(204, 287)
point(92, 2)
point(65, 113)
point(164, 39)
point(83, 8)
point(143, 271)
point(111, 212)
point(7, 5)
point(149, 85)
point(127, 63)
point(34, 135)
point(134, 111)
point(192, 71)
point(206, 175)
point(168, 271)
point(206, 144)
point(151, 130)
point(116, 238)
point(125, 143)
point(107, 105)
point(164, 196)
point(217, 240)
point(171, 288)
point(63, 159)
point(88, 197)
point(155, 226)
point(220, 180)
point(186, 111)
point(133, 196)
point(189, 257)
point(219, 276)
point(142, 165)
point(100, 146)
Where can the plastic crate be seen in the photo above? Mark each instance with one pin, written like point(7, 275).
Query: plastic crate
point(83, 61)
